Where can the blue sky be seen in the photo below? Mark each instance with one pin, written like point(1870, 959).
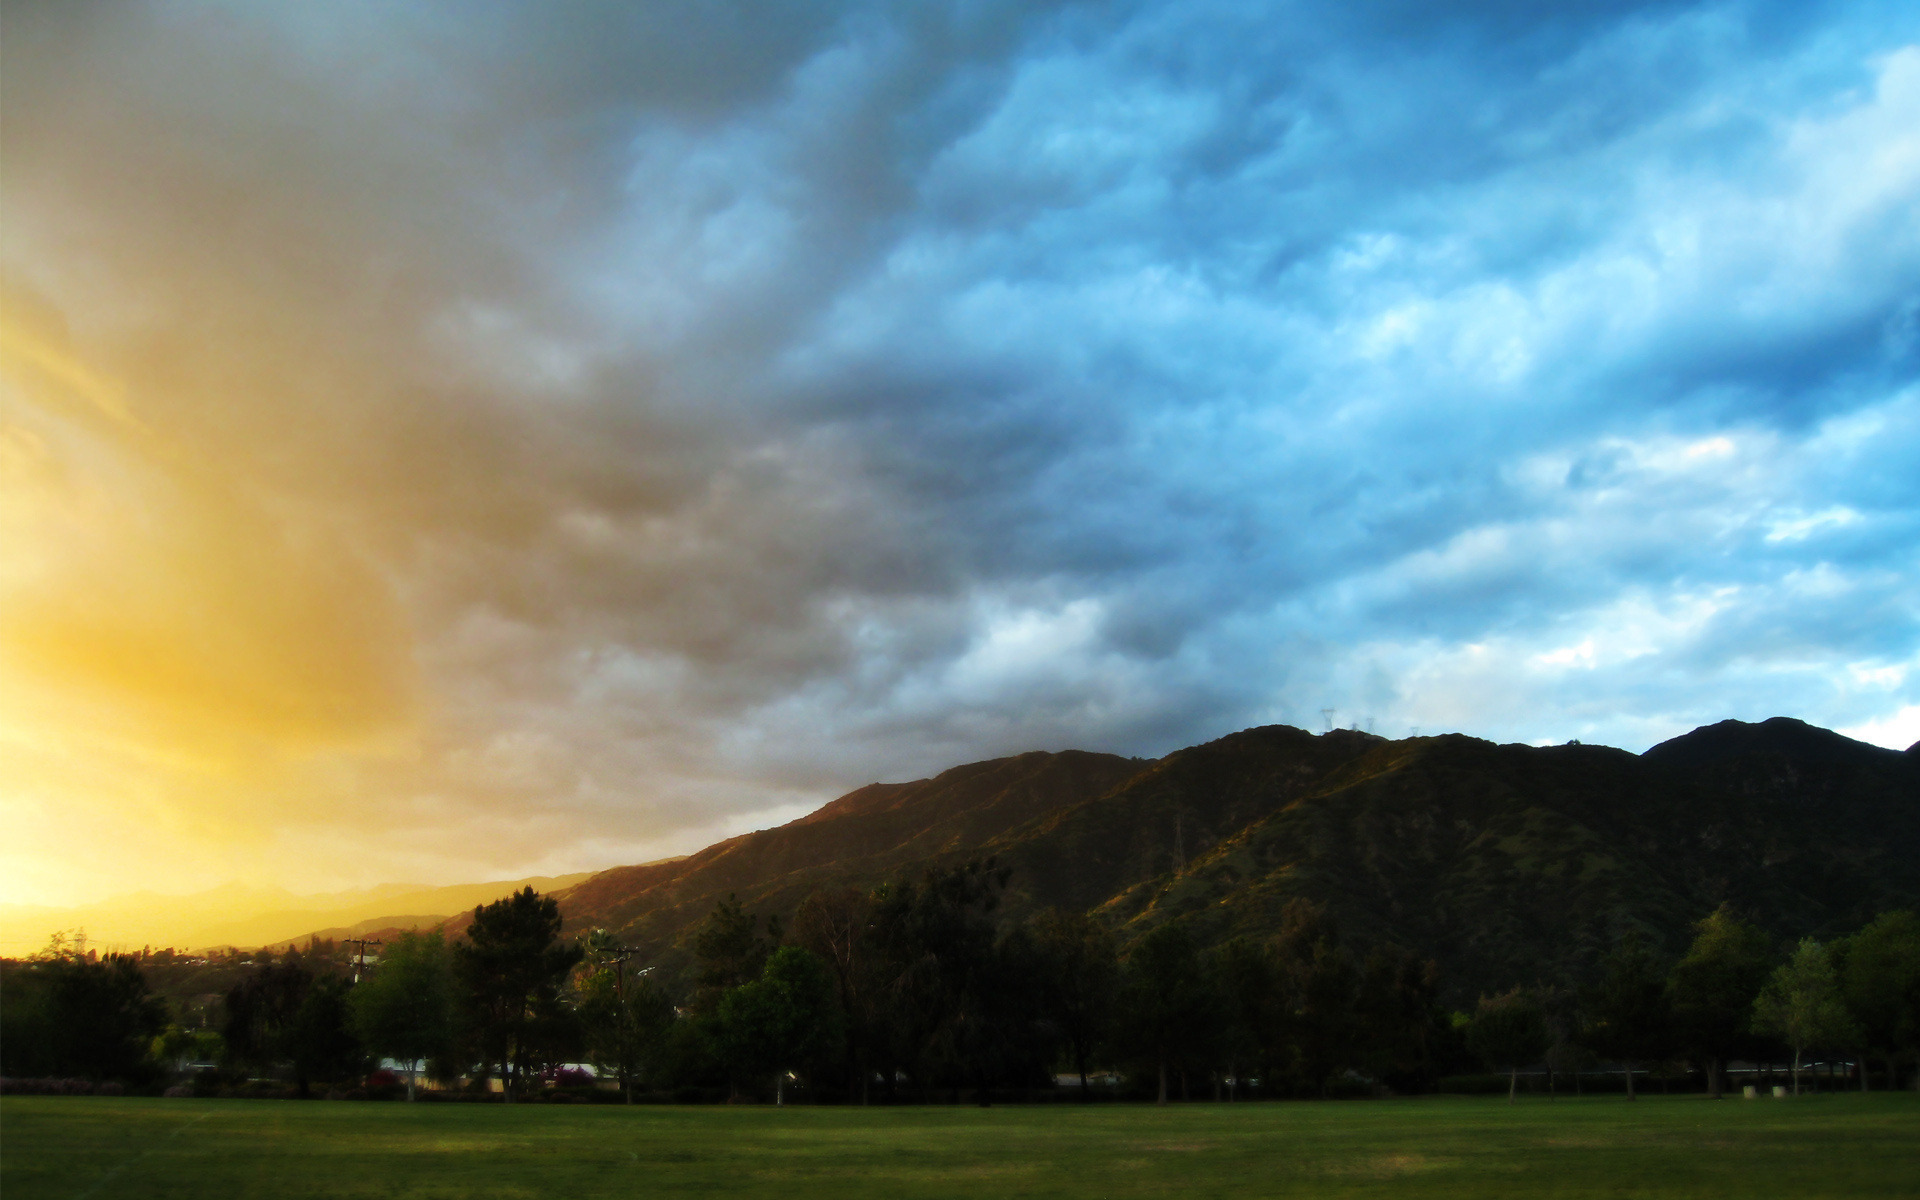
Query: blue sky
point(733, 405)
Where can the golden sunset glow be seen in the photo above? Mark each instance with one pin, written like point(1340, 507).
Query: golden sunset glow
point(177, 659)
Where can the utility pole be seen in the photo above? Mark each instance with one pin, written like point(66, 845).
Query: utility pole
point(1326, 714)
point(620, 971)
point(618, 955)
point(360, 953)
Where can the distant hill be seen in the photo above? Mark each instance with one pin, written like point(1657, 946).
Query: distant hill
point(1505, 863)
point(249, 917)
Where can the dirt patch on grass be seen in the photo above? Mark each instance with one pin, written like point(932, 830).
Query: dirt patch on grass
point(1390, 1166)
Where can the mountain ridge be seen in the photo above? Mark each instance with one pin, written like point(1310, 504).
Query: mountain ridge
point(1502, 862)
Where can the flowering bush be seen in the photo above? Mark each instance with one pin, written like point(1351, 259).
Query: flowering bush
point(46, 1087)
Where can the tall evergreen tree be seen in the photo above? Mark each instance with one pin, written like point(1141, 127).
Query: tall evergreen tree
point(509, 970)
point(1003, 1036)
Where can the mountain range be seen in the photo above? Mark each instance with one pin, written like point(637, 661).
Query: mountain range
point(1504, 863)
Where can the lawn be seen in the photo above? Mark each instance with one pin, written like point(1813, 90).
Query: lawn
point(1838, 1145)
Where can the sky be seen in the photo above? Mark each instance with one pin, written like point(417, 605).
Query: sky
point(452, 442)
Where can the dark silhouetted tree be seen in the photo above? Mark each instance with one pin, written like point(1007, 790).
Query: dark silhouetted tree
point(261, 1014)
point(1167, 1009)
point(837, 925)
point(933, 944)
point(1396, 1019)
point(67, 1014)
point(1509, 1031)
point(1317, 985)
point(1712, 989)
point(320, 1042)
point(784, 1020)
point(1002, 1036)
point(1629, 1019)
point(729, 950)
point(1078, 968)
point(1880, 978)
point(1242, 975)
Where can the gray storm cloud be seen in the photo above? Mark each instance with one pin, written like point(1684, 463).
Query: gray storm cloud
point(743, 403)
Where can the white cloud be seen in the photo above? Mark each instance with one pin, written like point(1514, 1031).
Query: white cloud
point(1896, 731)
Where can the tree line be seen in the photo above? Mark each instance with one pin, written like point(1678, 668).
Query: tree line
point(919, 990)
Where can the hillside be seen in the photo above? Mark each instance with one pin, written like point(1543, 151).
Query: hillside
point(1506, 863)
point(1509, 863)
point(862, 838)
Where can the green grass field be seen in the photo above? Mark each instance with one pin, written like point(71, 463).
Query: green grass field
point(1842, 1145)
